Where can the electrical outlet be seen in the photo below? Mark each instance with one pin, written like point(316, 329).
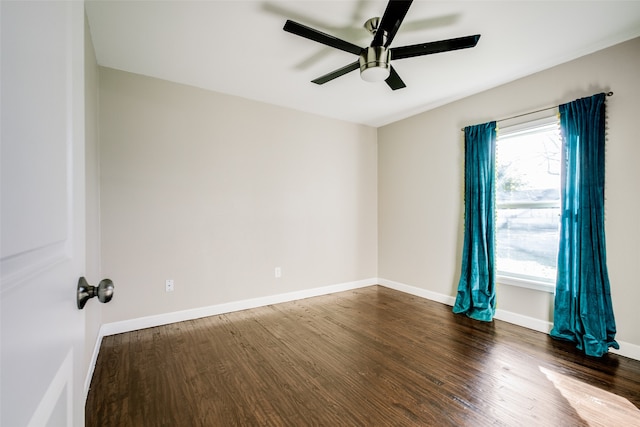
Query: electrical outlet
point(278, 272)
point(168, 285)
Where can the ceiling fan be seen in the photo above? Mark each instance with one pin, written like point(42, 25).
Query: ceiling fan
point(375, 60)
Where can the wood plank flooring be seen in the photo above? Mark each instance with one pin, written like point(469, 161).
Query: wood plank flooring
point(369, 357)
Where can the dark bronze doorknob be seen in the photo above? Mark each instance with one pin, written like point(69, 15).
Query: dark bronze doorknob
point(104, 291)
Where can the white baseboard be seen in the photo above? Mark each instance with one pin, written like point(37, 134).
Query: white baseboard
point(524, 321)
point(419, 292)
point(629, 350)
point(632, 351)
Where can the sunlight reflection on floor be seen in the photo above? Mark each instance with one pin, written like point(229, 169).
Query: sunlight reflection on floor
point(595, 406)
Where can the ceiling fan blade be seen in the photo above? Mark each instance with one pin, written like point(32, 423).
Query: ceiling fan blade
point(393, 16)
point(320, 37)
point(434, 47)
point(394, 81)
point(337, 73)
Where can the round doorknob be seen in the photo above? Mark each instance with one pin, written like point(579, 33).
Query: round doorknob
point(104, 291)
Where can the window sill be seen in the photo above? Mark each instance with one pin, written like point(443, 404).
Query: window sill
point(526, 283)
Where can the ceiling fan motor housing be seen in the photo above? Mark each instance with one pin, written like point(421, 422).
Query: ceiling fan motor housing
point(375, 63)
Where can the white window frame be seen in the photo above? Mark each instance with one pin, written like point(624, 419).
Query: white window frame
point(519, 126)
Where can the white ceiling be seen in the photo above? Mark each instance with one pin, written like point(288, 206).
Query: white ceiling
point(238, 47)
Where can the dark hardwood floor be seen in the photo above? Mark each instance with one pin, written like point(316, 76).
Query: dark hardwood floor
point(369, 357)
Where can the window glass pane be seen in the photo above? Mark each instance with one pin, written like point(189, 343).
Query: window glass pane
point(528, 168)
point(528, 203)
point(527, 242)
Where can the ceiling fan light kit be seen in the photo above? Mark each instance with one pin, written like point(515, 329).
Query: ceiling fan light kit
point(374, 61)
point(375, 64)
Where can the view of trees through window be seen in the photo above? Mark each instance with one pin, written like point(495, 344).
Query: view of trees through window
point(528, 166)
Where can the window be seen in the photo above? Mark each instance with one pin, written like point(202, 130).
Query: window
point(528, 168)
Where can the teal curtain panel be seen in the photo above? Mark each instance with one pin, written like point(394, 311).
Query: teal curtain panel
point(583, 312)
point(476, 295)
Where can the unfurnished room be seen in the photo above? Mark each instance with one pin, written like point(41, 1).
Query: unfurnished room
point(336, 213)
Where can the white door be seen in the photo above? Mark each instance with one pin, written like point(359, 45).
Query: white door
point(42, 213)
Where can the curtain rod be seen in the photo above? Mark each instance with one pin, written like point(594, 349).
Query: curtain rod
point(533, 112)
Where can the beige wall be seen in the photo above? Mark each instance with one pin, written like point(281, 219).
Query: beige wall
point(421, 182)
point(215, 191)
